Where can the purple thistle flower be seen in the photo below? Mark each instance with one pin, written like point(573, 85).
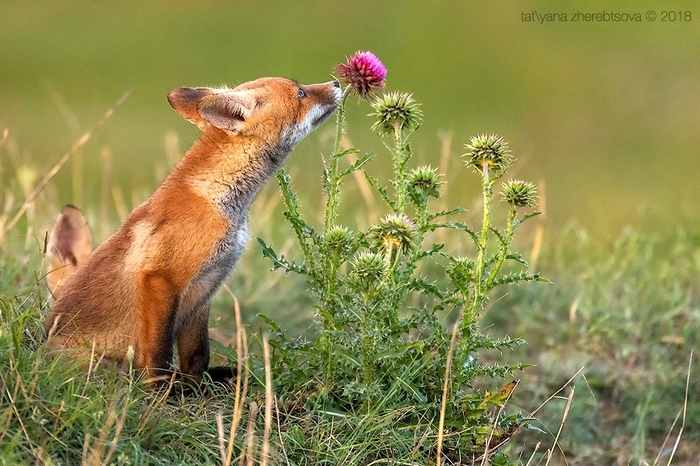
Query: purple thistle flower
point(363, 72)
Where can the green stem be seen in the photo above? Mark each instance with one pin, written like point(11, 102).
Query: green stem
point(480, 286)
point(366, 344)
point(422, 218)
point(467, 327)
point(333, 176)
point(400, 161)
point(328, 301)
point(510, 228)
point(291, 204)
point(331, 260)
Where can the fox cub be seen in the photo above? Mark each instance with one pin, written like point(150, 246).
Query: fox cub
point(149, 286)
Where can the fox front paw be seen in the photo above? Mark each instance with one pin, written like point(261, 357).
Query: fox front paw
point(221, 374)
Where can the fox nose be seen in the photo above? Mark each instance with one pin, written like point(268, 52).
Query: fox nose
point(336, 83)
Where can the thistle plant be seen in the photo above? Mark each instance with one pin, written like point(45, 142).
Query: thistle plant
point(363, 73)
point(384, 341)
point(491, 158)
point(397, 115)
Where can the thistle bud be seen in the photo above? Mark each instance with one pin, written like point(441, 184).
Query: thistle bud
point(519, 193)
point(368, 271)
point(396, 111)
point(423, 182)
point(490, 151)
point(395, 232)
point(463, 269)
point(338, 239)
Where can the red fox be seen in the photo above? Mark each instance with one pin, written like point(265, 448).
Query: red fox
point(149, 286)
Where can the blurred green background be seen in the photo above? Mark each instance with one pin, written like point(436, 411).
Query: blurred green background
point(605, 114)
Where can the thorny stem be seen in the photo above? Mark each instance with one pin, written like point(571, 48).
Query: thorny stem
point(422, 218)
point(503, 252)
point(290, 203)
point(366, 342)
point(467, 325)
point(333, 177)
point(479, 287)
point(331, 260)
point(400, 161)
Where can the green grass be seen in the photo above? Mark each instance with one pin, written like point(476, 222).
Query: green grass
point(627, 312)
point(621, 318)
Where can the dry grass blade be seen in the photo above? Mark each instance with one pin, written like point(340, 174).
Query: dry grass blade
point(220, 430)
point(106, 182)
point(532, 414)
point(539, 230)
point(5, 134)
point(248, 458)
point(445, 157)
point(365, 188)
point(12, 397)
point(97, 451)
point(668, 436)
point(241, 374)
point(685, 407)
point(485, 455)
point(56, 168)
point(534, 452)
point(269, 398)
point(117, 432)
point(91, 367)
point(569, 399)
point(573, 309)
point(445, 389)
point(279, 433)
point(158, 401)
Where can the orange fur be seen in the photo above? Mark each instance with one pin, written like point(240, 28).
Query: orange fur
point(150, 284)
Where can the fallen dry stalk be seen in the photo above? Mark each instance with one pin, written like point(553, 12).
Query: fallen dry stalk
point(569, 399)
point(241, 374)
point(445, 388)
point(269, 398)
point(685, 408)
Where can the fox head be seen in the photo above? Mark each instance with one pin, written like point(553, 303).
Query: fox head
point(278, 111)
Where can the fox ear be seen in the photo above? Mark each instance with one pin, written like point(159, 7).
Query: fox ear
point(227, 110)
point(185, 99)
point(70, 243)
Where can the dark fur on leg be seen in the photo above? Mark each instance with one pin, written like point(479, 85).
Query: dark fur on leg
point(220, 379)
point(222, 374)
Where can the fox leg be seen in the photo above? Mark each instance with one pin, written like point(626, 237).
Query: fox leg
point(157, 305)
point(193, 342)
point(193, 347)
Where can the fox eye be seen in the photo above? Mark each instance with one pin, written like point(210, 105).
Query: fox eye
point(302, 93)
